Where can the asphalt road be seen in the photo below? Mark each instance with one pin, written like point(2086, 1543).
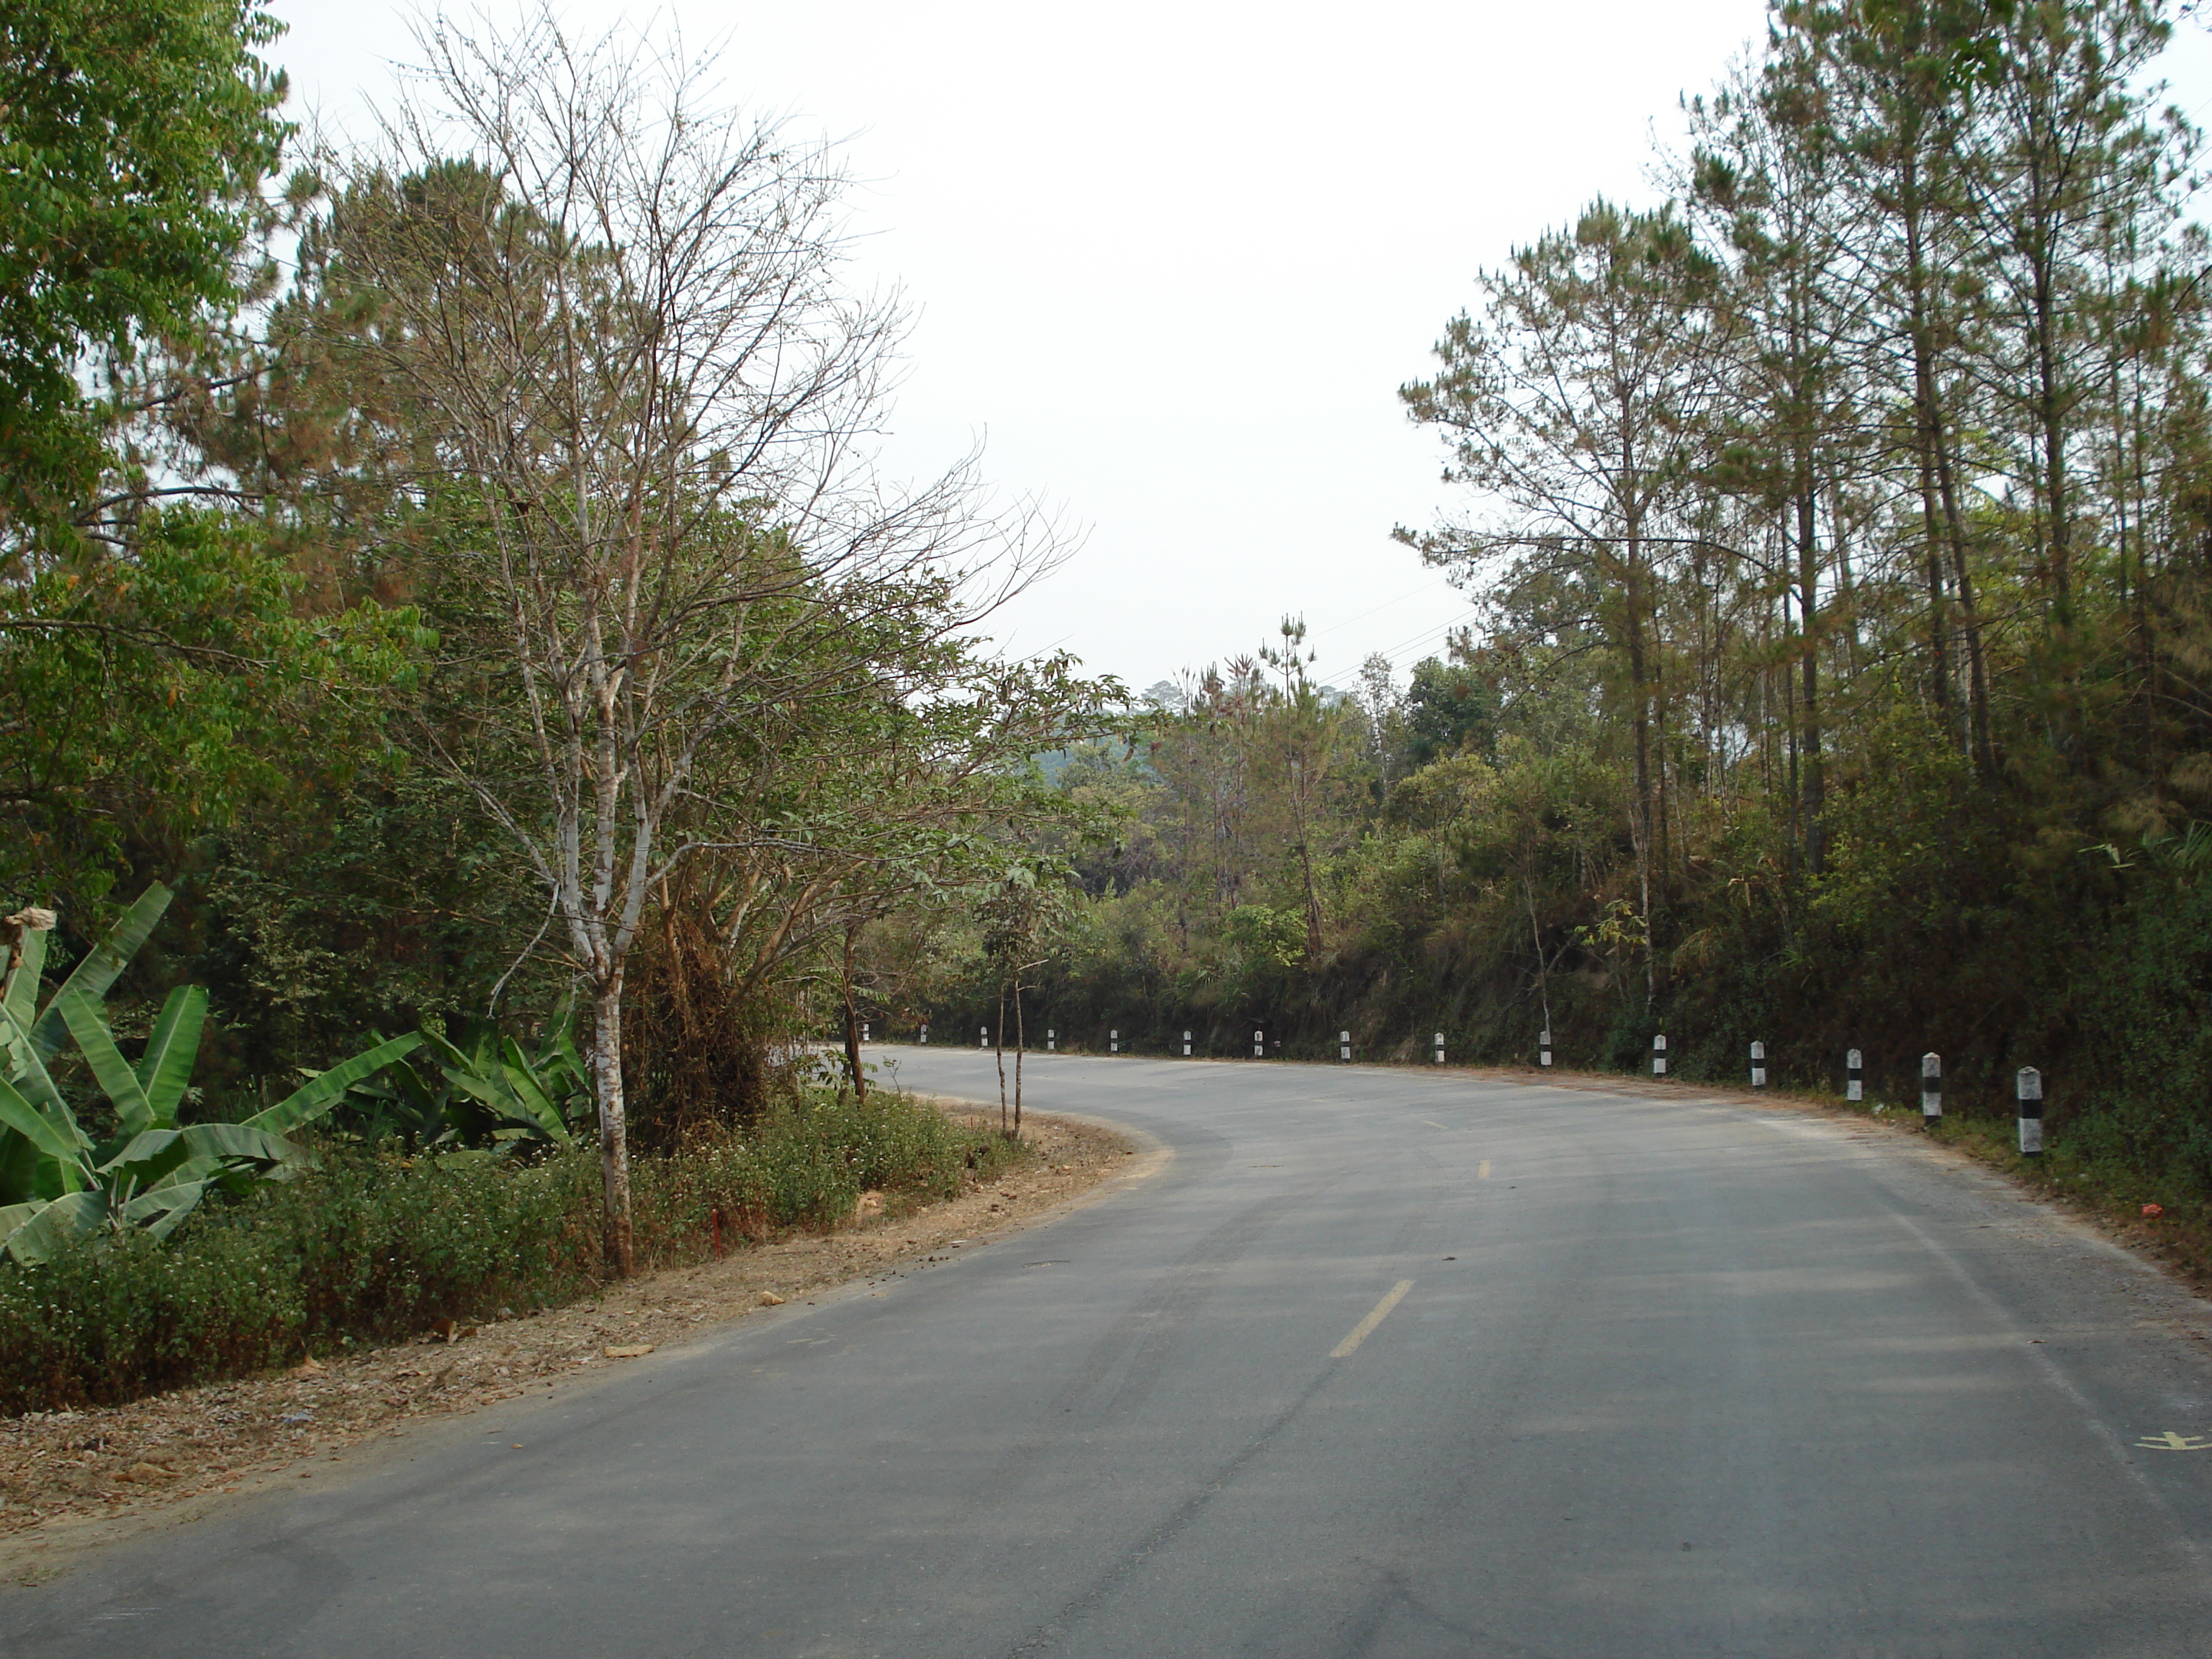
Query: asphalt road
point(1380, 1363)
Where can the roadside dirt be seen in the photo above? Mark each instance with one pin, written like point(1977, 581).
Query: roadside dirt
point(70, 1480)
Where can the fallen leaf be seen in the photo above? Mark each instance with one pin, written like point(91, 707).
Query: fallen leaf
point(309, 1365)
point(147, 1472)
point(630, 1351)
point(2154, 1210)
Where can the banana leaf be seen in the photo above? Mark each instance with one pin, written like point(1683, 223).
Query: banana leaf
point(242, 1140)
point(531, 1095)
point(152, 1154)
point(32, 1168)
point(55, 1226)
point(113, 1073)
point(20, 1000)
point(144, 1158)
point(160, 1211)
point(522, 1072)
point(401, 1103)
point(165, 1070)
point(443, 1054)
point(475, 1077)
point(101, 966)
point(35, 1083)
point(13, 1216)
point(65, 1145)
point(564, 1045)
point(325, 1088)
point(494, 1092)
point(507, 1088)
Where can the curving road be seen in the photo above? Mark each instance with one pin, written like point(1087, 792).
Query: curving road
point(1379, 1363)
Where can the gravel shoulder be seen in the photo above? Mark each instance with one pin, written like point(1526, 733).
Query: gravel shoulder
point(73, 1481)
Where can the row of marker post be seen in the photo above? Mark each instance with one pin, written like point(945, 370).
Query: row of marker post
point(1259, 1043)
point(2028, 1083)
point(2028, 1086)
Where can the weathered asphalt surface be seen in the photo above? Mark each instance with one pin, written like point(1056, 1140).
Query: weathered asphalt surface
point(1672, 1377)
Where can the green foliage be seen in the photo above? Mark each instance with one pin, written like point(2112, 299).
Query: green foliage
point(2152, 1002)
point(135, 135)
point(1447, 705)
point(312, 702)
point(491, 1092)
point(372, 1246)
point(366, 1248)
point(59, 1187)
point(805, 1164)
point(155, 697)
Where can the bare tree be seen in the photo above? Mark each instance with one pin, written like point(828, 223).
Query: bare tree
point(615, 310)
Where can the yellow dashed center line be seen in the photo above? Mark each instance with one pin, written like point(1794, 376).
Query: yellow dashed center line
point(1365, 1328)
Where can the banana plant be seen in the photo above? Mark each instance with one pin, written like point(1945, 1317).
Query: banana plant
point(57, 1185)
point(494, 1092)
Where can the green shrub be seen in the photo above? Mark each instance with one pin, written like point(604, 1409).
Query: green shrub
point(804, 1163)
point(373, 1246)
point(368, 1248)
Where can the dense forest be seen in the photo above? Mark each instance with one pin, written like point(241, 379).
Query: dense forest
point(1841, 533)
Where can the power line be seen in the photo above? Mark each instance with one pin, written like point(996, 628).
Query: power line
point(1429, 634)
point(1345, 621)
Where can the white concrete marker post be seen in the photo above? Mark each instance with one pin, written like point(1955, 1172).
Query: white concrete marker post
point(1758, 1066)
point(864, 1030)
point(1544, 1049)
point(1259, 1045)
point(1659, 1056)
point(1051, 1039)
point(1186, 1045)
point(983, 1040)
point(925, 1036)
point(1114, 1042)
point(1440, 1047)
point(2030, 1090)
point(1344, 1045)
point(1854, 1075)
point(1931, 1090)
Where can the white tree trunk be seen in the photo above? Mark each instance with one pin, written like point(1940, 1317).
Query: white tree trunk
point(614, 1135)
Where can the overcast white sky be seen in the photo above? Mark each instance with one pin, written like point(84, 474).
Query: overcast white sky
point(1172, 261)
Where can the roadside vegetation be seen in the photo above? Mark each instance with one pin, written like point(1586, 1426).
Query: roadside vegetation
point(376, 1245)
point(1838, 553)
point(467, 687)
